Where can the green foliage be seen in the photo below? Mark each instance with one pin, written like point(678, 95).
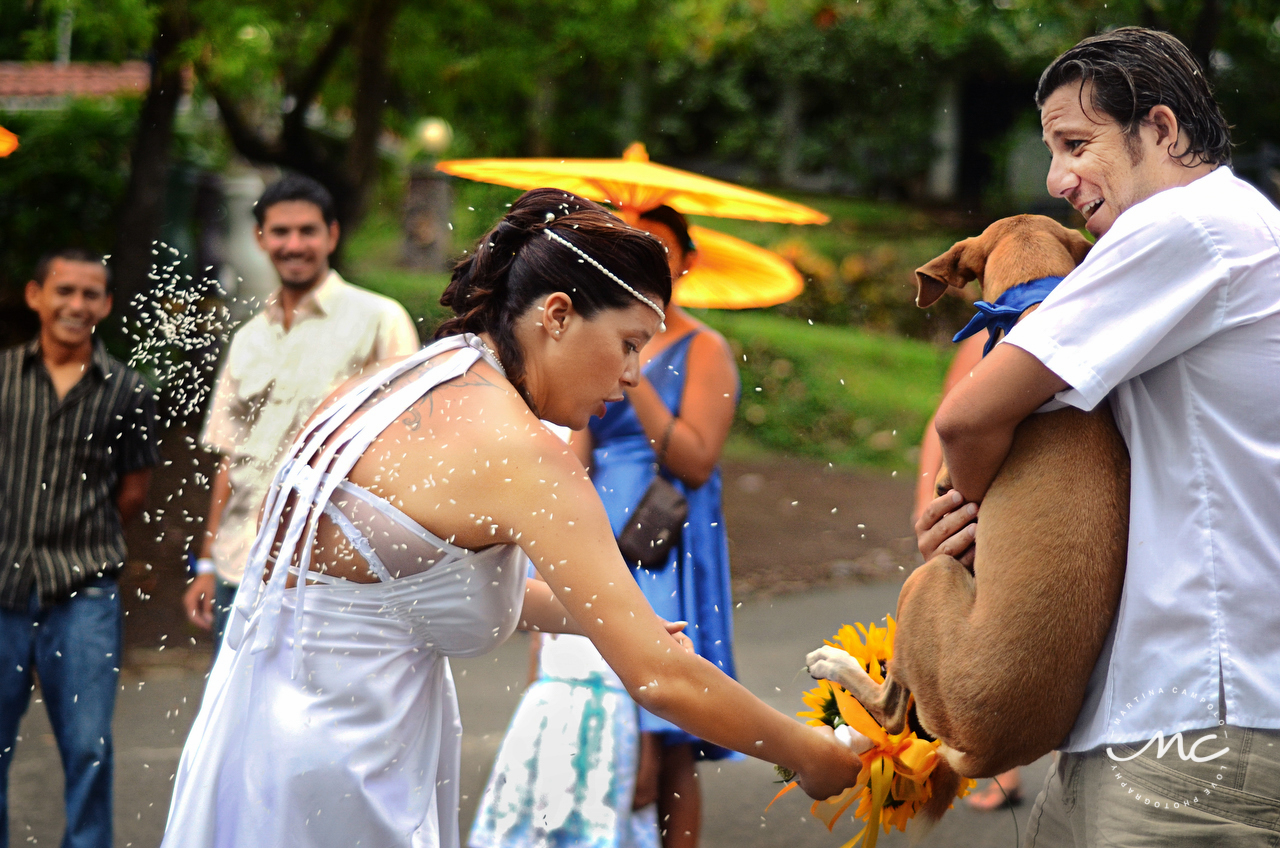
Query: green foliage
point(251, 48)
point(783, 94)
point(374, 257)
point(17, 18)
point(521, 77)
point(1247, 83)
point(104, 31)
point(834, 93)
point(418, 292)
point(838, 394)
point(859, 269)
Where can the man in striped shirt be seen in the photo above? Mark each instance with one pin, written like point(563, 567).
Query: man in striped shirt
point(77, 441)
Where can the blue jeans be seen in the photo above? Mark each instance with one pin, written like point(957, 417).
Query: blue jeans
point(75, 648)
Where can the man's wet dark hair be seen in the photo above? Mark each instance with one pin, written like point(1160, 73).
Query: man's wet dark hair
point(516, 264)
point(673, 221)
point(1133, 70)
point(70, 254)
point(296, 187)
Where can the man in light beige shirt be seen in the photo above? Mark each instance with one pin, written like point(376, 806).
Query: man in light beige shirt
point(315, 331)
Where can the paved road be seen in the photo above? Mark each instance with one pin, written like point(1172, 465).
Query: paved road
point(158, 700)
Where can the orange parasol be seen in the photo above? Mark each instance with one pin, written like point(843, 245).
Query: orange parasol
point(8, 142)
point(633, 184)
point(734, 274)
point(729, 274)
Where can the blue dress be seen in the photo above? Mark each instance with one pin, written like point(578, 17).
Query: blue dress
point(694, 584)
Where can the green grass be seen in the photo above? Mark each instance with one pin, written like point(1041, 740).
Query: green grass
point(845, 395)
point(373, 261)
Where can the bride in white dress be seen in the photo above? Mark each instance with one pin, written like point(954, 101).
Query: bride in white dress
point(395, 536)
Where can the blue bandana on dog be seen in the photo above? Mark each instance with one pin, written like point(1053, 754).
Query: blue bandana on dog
point(1003, 314)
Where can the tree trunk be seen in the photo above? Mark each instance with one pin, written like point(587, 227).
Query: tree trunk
point(631, 113)
point(790, 131)
point(542, 107)
point(142, 211)
point(361, 161)
point(351, 174)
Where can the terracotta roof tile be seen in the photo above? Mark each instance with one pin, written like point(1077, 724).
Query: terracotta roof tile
point(77, 79)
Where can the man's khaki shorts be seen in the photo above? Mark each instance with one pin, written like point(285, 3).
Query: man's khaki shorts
point(1138, 797)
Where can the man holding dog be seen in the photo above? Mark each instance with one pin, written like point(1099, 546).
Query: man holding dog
point(1174, 318)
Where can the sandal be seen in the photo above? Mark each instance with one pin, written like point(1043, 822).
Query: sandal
point(993, 798)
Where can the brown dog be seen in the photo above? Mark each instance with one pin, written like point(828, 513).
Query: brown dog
point(998, 660)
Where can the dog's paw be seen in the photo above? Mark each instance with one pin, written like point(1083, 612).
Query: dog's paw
point(828, 663)
point(942, 483)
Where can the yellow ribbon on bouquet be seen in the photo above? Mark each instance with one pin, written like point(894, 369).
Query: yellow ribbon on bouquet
point(894, 782)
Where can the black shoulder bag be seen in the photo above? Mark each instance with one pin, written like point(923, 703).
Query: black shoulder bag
point(655, 527)
point(658, 520)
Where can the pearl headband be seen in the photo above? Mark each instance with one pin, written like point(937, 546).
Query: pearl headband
point(662, 316)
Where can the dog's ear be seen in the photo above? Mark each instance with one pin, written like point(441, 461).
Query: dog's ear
point(928, 288)
point(949, 269)
point(1076, 244)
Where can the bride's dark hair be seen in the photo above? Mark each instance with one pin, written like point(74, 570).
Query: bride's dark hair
point(515, 264)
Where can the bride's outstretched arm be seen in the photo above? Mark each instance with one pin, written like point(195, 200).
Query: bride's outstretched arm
point(543, 611)
point(557, 517)
point(505, 478)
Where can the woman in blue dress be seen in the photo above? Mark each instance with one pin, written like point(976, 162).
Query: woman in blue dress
point(676, 420)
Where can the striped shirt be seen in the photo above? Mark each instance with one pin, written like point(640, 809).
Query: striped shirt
point(60, 463)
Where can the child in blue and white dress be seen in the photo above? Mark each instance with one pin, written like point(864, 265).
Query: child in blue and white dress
point(566, 772)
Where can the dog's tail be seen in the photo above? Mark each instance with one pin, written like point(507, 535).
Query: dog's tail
point(946, 783)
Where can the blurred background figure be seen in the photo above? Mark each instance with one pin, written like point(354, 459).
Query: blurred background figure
point(78, 440)
point(567, 768)
point(677, 417)
point(315, 331)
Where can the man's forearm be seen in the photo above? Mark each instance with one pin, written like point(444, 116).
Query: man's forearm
point(131, 494)
point(977, 419)
point(974, 457)
point(219, 492)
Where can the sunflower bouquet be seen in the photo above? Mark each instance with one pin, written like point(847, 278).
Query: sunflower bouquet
point(896, 779)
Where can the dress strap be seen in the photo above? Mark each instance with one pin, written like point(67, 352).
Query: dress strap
point(296, 475)
point(327, 466)
point(392, 513)
point(320, 577)
point(358, 541)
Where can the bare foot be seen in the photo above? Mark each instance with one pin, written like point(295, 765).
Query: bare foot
point(1005, 790)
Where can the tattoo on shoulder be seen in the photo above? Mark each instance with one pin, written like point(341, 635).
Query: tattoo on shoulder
point(471, 380)
point(412, 418)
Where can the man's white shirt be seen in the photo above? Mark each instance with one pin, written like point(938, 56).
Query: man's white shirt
point(1175, 316)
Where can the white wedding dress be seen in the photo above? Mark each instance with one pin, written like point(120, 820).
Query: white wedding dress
point(330, 718)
